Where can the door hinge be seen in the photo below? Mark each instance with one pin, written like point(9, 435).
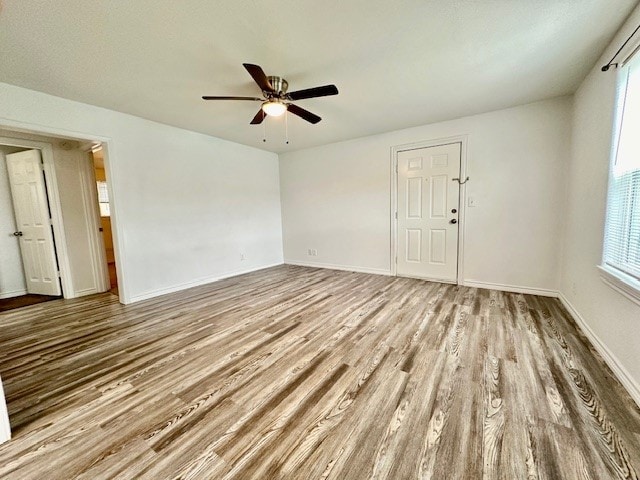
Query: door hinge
point(396, 215)
point(58, 274)
point(396, 168)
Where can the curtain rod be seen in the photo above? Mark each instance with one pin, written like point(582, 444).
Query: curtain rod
point(608, 65)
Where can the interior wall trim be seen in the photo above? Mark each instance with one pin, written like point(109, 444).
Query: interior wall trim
point(621, 373)
point(86, 170)
point(196, 283)
point(87, 291)
point(544, 292)
point(346, 268)
point(13, 293)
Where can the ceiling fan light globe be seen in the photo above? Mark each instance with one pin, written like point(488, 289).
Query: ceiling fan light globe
point(274, 109)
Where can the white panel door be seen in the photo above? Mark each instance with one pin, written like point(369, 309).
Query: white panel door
point(29, 195)
point(428, 205)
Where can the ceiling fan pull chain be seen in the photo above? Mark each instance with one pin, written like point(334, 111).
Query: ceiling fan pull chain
point(264, 132)
point(286, 127)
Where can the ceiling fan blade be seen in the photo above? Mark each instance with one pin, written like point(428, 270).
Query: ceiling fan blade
point(260, 116)
point(323, 91)
point(210, 97)
point(304, 114)
point(259, 76)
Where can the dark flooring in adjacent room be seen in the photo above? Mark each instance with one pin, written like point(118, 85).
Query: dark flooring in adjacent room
point(24, 301)
point(305, 373)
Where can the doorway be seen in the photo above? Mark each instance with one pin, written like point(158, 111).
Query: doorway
point(73, 214)
point(428, 211)
point(104, 208)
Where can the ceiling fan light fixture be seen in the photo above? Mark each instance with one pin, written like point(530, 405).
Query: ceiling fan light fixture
point(274, 108)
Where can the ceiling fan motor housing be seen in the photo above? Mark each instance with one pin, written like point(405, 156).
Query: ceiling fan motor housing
point(279, 84)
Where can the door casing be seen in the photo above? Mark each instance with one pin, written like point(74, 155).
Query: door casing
point(464, 147)
point(100, 256)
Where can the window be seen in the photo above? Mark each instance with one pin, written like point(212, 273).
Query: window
point(103, 199)
point(621, 257)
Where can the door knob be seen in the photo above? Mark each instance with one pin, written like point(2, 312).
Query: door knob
point(17, 234)
point(453, 220)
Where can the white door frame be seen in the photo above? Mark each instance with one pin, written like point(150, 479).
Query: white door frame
point(90, 190)
point(118, 239)
point(90, 199)
point(54, 198)
point(463, 140)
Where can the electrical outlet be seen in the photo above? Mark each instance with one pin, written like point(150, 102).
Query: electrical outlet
point(309, 252)
point(242, 257)
point(315, 252)
point(472, 202)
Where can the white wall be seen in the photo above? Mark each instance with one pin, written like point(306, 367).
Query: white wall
point(185, 205)
point(613, 318)
point(12, 281)
point(335, 198)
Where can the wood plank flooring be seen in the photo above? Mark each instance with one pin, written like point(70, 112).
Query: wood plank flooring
point(23, 301)
point(301, 373)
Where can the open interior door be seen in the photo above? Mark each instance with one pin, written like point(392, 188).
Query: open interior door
point(29, 194)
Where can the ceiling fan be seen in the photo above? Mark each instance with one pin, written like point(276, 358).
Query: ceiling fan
point(276, 100)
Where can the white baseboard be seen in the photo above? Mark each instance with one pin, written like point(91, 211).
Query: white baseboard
point(196, 283)
point(614, 364)
point(346, 268)
point(5, 427)
point(13, 293)
point(85, 292)
point(512, 288)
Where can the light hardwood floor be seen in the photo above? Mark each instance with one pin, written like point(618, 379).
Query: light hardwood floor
point(305, 373)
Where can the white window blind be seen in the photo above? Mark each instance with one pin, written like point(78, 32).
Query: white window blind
point(103, 199)
point(622, 230)
point(103, 192)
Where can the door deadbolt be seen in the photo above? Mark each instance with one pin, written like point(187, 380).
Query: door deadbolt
point(453, 210)
point(453, 220)
point(17, 234)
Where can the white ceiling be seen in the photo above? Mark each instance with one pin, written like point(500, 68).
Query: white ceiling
point(396, 63)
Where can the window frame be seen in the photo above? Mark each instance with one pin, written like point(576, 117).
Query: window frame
point(617, 279)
